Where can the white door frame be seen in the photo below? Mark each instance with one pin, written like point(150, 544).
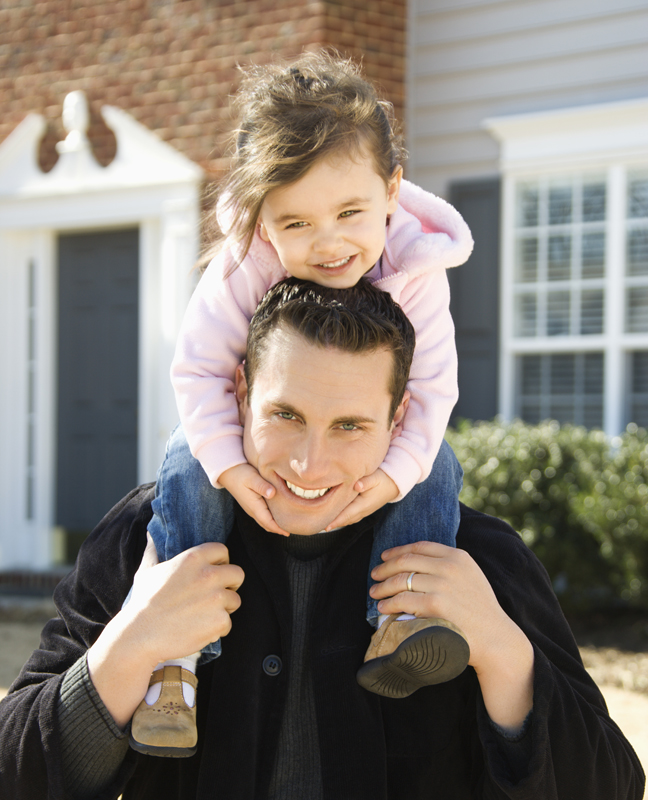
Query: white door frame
point(149, 185)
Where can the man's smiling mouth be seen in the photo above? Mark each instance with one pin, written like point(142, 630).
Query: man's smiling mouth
point(307, 494)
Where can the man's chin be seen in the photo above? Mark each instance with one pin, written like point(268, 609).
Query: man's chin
point(301, 522)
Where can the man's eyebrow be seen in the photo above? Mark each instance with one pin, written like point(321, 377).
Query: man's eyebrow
point(354, 421)
point(285, 407)
point(289, 216)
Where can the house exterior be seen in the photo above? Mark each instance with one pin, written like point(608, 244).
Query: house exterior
point(530, 115)
point(114, 120)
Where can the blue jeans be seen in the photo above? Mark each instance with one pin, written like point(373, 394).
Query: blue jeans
point(188, 511)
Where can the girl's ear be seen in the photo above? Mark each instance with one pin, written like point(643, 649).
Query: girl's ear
point(263, 233)
point(393, 189)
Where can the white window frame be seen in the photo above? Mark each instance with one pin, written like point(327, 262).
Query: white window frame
point(610, 139)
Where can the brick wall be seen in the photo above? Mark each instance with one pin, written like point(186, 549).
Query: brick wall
point(172, 63)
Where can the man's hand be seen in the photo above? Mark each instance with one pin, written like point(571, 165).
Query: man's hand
point(374, 491)
point(250, 491)
point(175, 609)
point(449, 584)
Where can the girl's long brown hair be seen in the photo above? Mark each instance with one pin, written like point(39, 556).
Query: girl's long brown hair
point(291, 116)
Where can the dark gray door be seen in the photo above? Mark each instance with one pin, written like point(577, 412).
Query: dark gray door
point(474, 303)
point(97, 375)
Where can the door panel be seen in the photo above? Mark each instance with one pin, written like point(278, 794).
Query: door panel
point(97, 374)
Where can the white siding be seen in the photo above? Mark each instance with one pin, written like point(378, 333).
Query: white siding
point(473, 59)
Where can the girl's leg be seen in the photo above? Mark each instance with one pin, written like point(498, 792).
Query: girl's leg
point(187, 510)
point(430, 512)
point(406, 652)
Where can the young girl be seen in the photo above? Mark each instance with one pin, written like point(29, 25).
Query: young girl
point(315, 191)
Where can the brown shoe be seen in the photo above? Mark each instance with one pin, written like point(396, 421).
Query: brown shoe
point(168, 727)
point(405, 655)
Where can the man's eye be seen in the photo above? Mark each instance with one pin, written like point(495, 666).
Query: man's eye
point(349, 426)
point(286, 415)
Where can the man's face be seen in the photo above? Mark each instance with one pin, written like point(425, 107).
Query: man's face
point(317, 420)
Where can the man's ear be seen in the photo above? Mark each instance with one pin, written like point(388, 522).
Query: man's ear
point(241, 391)
point(393, 189)
point(397, 422)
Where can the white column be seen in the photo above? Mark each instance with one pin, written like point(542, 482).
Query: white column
point(615, 386)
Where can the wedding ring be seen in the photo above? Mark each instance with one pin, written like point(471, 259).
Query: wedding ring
point(409, 581)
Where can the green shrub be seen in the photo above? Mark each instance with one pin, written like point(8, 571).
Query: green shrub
point(578, 500)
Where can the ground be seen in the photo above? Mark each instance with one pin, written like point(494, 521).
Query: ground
point(614, 650)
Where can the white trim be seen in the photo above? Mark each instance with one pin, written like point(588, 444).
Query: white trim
point(569, 138)
point(148, 185)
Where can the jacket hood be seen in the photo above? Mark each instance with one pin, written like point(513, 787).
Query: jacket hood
point(425, 233)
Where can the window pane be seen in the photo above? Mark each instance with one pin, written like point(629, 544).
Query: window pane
point(559, 258)
point(637, 310)
point(640, 372)
point(560, 205)
point(593, 255)
point(558, 313)
point(530, 412)
point(562, 374)
point(592, 312)
point(531, 375)
point(592, 416)
point(527, 260)
point(564, 386)
point(637, 252)
point(526, 314)
point(638, 197)
point(593, 202)
point(527, 205)
point(593, 373)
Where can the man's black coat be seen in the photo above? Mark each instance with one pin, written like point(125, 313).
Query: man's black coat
point(438, 743)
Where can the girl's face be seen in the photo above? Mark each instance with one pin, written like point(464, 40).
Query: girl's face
point(329, 226)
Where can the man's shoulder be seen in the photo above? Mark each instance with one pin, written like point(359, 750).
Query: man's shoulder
point(494, 544)
point(115, 546)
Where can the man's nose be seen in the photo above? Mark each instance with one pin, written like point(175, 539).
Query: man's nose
point(311, 461)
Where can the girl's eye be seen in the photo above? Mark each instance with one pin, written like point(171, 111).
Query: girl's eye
point(296, 225)
point(349, 213)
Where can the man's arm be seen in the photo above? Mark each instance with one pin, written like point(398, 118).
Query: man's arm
point(176, 608)
point(89, 602)
point(30, 736)
point(449, 584)
point(574, 748)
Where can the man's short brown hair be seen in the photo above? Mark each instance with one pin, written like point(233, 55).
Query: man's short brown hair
point(360, 319)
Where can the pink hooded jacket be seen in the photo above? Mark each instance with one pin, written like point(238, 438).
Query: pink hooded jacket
point(425, 236)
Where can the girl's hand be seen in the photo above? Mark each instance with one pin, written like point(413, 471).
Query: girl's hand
point(249, 490)
point(375, 490)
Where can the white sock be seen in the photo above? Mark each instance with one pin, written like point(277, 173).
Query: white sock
point(383, 617)
point(188, 691)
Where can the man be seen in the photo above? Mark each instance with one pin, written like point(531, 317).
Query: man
point(280, 713)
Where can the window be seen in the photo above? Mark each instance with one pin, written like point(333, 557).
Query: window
point(574, 330)
point(561, 271)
